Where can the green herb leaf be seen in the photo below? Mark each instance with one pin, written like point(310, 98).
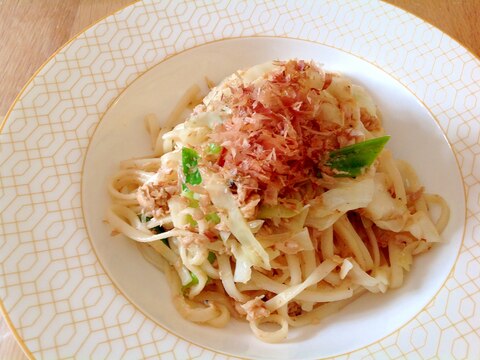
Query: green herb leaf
point(351, 160)
point(214, 148)
point(211, 257)
point(213, 217)
point(190, 166)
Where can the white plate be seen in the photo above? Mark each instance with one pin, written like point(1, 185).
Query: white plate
point(121, 135)
point(72, 292)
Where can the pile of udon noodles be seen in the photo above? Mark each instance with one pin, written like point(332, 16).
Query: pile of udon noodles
point(238, 206)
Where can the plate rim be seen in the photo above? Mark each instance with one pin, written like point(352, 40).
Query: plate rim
point(437, 123)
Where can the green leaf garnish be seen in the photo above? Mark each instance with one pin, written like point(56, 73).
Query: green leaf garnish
point(351, 160)
point(190, 166)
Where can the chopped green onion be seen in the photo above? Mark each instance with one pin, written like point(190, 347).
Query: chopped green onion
point(192, 282)
point(214, 148)
point(190, 166)
point(190, 195)
point(156, 230)
point(194, 279)
point(190, 220)
point(213, 217)
point(144, 219)
point(351, 160)
point(211, 257)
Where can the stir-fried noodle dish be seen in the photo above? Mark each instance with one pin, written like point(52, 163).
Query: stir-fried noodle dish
point(274, 200)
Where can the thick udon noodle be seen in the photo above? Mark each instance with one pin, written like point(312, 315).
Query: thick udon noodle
point(300, 276)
